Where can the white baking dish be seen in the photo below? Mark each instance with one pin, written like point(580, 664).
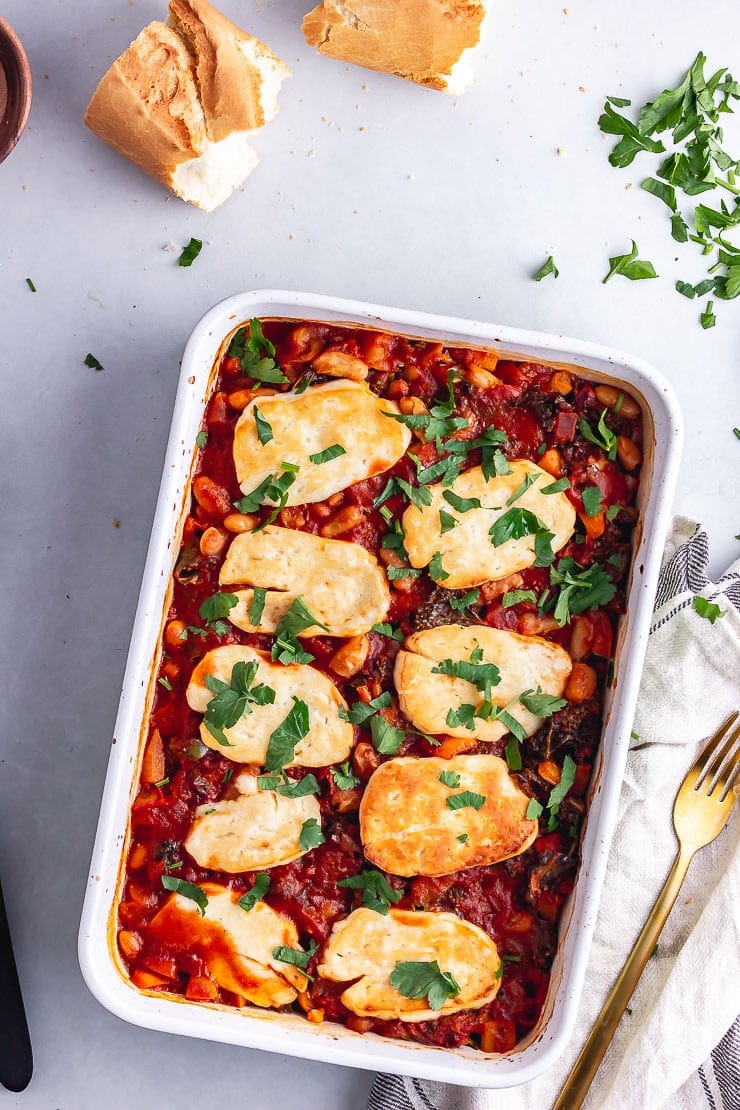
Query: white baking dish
point(288, 1033)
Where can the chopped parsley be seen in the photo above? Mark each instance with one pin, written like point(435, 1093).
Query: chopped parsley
point(274, 487)
point(187, 890)
point(289, 788)
point(516, 523)
point(424, 979)
point(163, 681)
point(328, 454)
point(286, 648)
point(591, 496)
point(603, 437)
point(257, 606)
point(387, 739)
point(560, 486)
point(263, 426)
point(440, 421)
point(288, 734)
point(30, 285)
point(259, 889)
point(362, 711)
point(256, 354)
point(534, 809)
point(450, 778)
point(465, 800)
point(707, 609)
point(484, 676)
point(547, 267)
point(234, 699)
point(459, 604)
point(446, 521)
point(311, 835)
point(92, 362)
point(402, 572)
point(217, 606)
point(529, 480)
point(513, 597)
point(385, 629)
point(295, 956)
point(377, 892)
point(461, 504)
point(707, 318)
point(436, 570)
point(541, 705)
point(630, 266)
point(201, 440)
point(579, 589)
point(190, 252)
point(558, 792)
point(343, 777)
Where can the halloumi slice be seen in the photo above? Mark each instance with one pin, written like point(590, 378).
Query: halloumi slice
point(407, 827)
point(525, 663)
point(255, 830)
point(341, 583)
point(236, 945)
point(366, 946)
point(329, 739)
point(344, 413)
point(468, 554)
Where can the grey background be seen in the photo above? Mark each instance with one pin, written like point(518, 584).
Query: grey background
point(369, 188)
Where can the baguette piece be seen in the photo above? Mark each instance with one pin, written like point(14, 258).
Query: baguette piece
point(183, 100)
point(426, 41)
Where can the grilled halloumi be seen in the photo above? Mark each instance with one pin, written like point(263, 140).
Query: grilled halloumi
point(236, 945)
point(525, 663)
point(408, 828)
point(366, 946)
point(468, 554)
point(253, 830)
point(329, 739)
point(341, 583)
point(342, 413)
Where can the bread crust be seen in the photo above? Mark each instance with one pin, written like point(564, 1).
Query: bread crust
point(420, 40)
point(229, 80)
point(182, 87)
point(146, 106)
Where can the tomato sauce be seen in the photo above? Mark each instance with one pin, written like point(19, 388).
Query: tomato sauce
point(543, 411)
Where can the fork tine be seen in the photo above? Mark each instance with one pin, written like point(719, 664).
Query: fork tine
point(711, 746)
point(731, 775)
point(708, 779)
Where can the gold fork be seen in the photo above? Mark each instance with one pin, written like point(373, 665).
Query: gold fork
point(703, 804)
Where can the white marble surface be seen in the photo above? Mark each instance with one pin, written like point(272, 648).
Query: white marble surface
point(368, 188)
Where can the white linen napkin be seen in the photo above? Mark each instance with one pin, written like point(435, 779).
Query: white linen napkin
point(663, 1053)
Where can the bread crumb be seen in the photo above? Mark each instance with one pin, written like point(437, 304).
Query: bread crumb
point(311, 154)
point(628, 185)
point(581, 88)
point(362, 129)
point(116, 522)
point(366, 88)
point(292, 236)
point(562, 151)
point(355, 212)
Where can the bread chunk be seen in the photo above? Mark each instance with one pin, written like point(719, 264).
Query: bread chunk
point(183, 100)
point(426, 41)
point(366, 946)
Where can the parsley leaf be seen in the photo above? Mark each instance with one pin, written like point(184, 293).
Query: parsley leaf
point(604, 437)
point(558, 792)
point(424, 979)
point(201, 439)
point(289, 788)
point(187, 890)
point(542, 705)
point(436, 570)
point(295, 956)
point(92, 362)
point(257, 605)
point(466, 799)
point(513, 597)
point(446, 522)
point(286, 648)
point(547, 267)
point(264, 428)
point(256, 354)
point(633, 139)
point(386, 738)
point(385, 629)
point(30, 285)
point(311, 835)
point(190, 252)
point(217, 606)
point(707, 318)
point(461, 504)
point(362, 711)
point(449, 778)
point(233, 700)
point(328, 454)
point(516, 523)
point(630, 266)
point(529, 480)
point(282, 744)
point(707, 609)
point(464, 601)
point(534, 809)
point(258, 890)
point(579, 589)
point(559, 486)
point(591, 496)
point(377, 892)
point(484, 676)
point(402, 572)
point(343, 777)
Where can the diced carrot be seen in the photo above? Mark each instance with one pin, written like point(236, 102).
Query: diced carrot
point(147, 980)
point(498, 1036)
point(201, 989)
point(581, 684)
point(454, 745)
point(129, 943)
point(152, 765)
point(164, 966)
point(549, 771)
point(594, 525)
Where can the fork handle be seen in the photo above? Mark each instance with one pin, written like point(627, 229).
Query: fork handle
point(578, 1082)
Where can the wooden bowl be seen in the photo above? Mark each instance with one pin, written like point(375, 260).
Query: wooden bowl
point(15, 89)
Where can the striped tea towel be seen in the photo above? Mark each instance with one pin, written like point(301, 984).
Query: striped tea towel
point(663, 1053)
